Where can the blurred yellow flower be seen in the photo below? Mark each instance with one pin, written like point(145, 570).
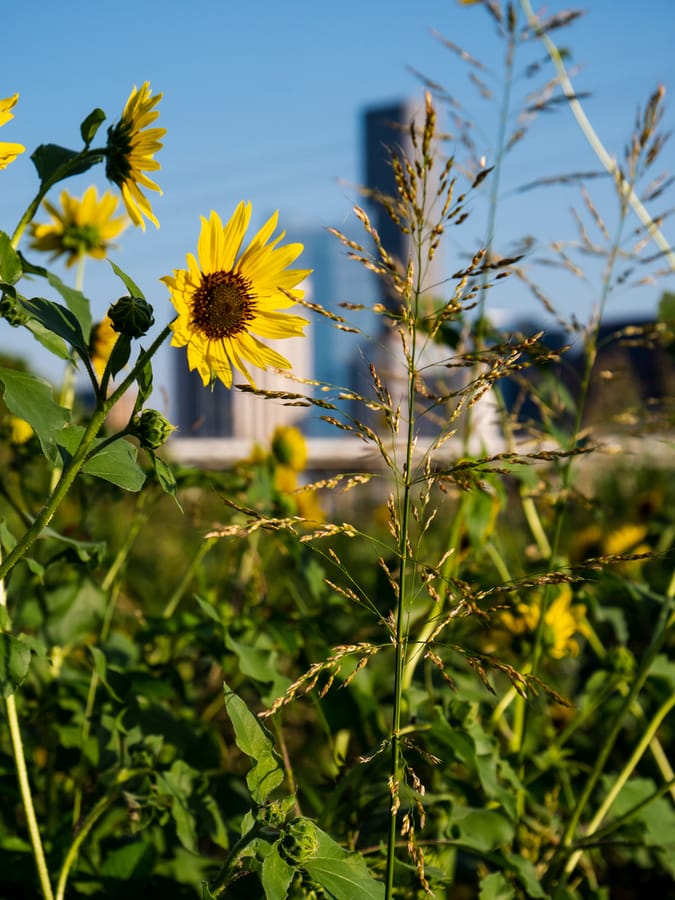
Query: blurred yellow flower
point(8, 151)
point(19, 430)
point(289, 447)
point(308, 506)
point(130, 152)
point(101, 343)
point(82, 227)
point(230, 298)
point(627, 538)
point(562, 621)
point(285, 479)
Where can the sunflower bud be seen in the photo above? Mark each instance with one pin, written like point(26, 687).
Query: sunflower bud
point(131, 316)
point(12, 311)
point(300, 842)
point(152, 429)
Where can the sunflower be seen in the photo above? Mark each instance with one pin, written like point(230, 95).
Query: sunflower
point(103, 339)
point(81, 228)
point(563, 620)
point(130, 151)
point(8, 152)
point(229, 299)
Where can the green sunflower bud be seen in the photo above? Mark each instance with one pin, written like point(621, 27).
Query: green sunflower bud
point(12, 311)
point(299, 843)
point(131, 316)
point(152, 429)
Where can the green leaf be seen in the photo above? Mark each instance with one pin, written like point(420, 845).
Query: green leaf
point(76, 302)
point(345, 875)
point(15, 657)
point(260, 663)
point(276, 875)
point(120, 354)
point(10, 261)
point(101, 669)
point(32, 399)
point(52, 342)
point(177, 783)
point(115, 462)
point(49, 158)
point(130, 861)
point(206, 893)
point(87, 551)
point(58, 319)
point(526, 873)
point(91, 125)
point(131, 286)
point(165, 476)
point(144, 381)
point(482, 830)
point(495, 887)
point(254, 740)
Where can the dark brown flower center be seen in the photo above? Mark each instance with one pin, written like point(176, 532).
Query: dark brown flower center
point(222, 305)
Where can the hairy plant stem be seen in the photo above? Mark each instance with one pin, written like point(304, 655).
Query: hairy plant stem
point(222, 880)
point(94, 815)
point(27, 797)
point(24, 783)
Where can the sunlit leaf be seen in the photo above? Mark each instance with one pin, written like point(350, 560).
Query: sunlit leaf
point(115, 462)
point(276, 875)
point(10, 261)
point(495, 887)
point(345, 875)
point(254, 740)
point(32, 399)
point(129, 283)
point(58, 319)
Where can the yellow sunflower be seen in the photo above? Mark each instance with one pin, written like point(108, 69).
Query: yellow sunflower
point(289, 447)
point(130, 151)
point(230, 298)
point(8, 151)
point(103, 339)
point(81, 228)
point(563, 620)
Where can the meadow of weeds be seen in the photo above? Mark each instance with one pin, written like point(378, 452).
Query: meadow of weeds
point(445, 672)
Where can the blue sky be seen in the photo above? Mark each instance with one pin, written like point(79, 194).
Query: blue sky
point(262, 102)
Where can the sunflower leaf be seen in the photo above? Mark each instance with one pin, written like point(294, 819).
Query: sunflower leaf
point(131, 286)
point(255, 741)
point(343, 874)
point(59, 320)
point(91, 125)
point(115, 462)
point(54, 163)
point(10, 261)
point(32, 399)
